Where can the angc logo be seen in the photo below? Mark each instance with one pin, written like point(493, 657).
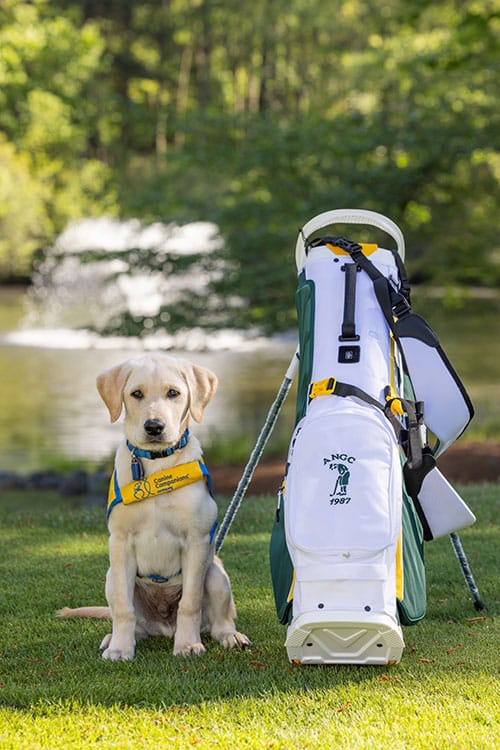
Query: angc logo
point(338, 462)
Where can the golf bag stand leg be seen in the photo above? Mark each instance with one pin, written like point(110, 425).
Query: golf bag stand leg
point(467, 573)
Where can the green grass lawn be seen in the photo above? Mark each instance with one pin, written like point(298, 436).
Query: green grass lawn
point(57, 692)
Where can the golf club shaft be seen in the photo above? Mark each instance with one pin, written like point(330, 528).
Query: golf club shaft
point(254, 459)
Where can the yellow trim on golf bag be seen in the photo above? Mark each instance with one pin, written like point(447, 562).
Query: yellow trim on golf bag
point(399, 569)
point(368, 248)
point(292, 587)
point(393, 396)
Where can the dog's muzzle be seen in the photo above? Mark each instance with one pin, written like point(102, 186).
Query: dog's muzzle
point(154, 427)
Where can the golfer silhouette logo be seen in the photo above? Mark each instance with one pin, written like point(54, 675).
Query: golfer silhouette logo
point(342, 482)
point(339, 494)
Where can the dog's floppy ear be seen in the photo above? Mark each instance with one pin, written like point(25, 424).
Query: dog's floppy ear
point(110, 385)
point(202, 384)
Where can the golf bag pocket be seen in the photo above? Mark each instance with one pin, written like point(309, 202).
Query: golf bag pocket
point(447, 406)
point(440, 507)
point(343, 500)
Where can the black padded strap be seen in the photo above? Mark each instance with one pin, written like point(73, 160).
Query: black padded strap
point(348, 322)
point(413, 483)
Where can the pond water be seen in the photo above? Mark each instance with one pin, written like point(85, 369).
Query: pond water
point(52, 411)
point(51, 408)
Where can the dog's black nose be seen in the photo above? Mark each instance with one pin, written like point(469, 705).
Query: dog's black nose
point(154, 427)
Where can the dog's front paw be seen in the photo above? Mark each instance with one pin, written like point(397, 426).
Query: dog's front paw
point(112, 652)
point(115, 654)
point(189, 649)
point(235, 640)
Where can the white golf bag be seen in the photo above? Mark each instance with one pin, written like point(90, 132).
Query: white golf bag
point(372, 377)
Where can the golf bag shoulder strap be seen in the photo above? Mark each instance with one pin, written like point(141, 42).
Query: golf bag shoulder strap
point(447, 405)
point(331, 386)
point(408, 437)
point(391, 301)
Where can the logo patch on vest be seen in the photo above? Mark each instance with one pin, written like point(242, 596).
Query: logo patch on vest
point(340, 463)
point(142, 490)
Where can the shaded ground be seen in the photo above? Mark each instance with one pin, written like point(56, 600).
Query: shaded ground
point(463, 463)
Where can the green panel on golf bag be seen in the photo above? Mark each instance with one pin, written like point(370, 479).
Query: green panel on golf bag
point(304, 299)
point(412, 608)
point(281, 566)
point(280, 562)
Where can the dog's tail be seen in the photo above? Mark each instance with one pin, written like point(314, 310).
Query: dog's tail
point(98, 613)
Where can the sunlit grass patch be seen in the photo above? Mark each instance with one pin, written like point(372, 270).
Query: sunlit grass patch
point(57, 692)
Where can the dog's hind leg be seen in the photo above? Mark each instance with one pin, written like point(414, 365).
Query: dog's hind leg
point(220, 610)
point(105, 642)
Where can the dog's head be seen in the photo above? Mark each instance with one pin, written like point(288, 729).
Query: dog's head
point(159, 393)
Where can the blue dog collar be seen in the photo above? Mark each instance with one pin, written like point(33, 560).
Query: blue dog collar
point(138, 453)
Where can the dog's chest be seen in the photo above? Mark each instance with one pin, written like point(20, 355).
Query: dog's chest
point(158, 542)
point(165, 527)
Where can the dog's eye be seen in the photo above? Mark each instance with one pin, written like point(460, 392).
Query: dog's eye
point(138, 394)
point(172, 393)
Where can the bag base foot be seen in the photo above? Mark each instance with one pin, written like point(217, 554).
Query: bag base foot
point(344, 638)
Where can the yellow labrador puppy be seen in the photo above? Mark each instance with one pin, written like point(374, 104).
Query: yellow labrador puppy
point(163, 577)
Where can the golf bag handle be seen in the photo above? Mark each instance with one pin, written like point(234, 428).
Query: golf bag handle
point(347, 216)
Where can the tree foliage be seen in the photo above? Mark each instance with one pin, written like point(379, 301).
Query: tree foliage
point(258, 116)
point(50, 70)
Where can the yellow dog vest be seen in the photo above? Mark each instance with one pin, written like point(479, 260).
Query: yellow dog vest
point(159, 483)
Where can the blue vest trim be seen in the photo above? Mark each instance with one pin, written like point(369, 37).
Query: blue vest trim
point(161, 579)
point(118, 495)
point(213, 530)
